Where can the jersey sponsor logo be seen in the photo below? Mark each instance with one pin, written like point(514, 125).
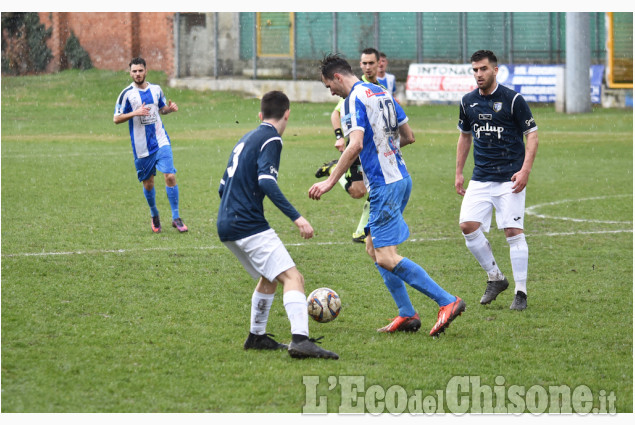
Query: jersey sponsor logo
point(273, 171)
point(484, 117)
point(498, 106)
point(370, 93)
point(487, 129)
point(529, 121)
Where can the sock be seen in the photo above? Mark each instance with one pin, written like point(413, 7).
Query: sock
point(519, 255)
point(173, 197)
point(152, 202)
point(295, 305)
point(414, 275)
point(479, 246)
point(363, 220)
point(398, 291)
point(260, 306)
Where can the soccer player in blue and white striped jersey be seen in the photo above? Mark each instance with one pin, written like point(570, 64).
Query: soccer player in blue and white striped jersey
point(378, 127)
point(142, 104)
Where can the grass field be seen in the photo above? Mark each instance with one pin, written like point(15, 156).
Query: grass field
point(101, 315)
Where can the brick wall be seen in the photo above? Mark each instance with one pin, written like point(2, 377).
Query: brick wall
point(113, 38)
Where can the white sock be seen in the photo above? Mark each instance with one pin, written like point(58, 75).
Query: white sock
point(295, 305)
point(519, 255)
point(260, 306)
point(479, 246)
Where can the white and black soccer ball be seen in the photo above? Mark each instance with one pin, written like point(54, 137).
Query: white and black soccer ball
point(324, 305)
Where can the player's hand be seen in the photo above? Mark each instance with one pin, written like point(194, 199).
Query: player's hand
point(458, 185)
point(340, 144)
point(319, 189)
point(306, 231)
point(173, 107)
point(143, 110)
point(520, 180)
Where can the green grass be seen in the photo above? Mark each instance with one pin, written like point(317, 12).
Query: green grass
point(101, 315)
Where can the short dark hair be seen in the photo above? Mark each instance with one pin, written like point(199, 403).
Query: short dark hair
point(382, 55)
point(274, 104)
point(484, 54)
point(371, 51)
point(334, 63)
point(137, 61)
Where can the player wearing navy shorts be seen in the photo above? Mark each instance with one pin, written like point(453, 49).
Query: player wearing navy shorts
point(378, 127)
point(252, 174)
point(142, 104)
point(497, 118)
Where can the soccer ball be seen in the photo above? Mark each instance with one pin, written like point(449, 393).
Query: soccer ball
point(324, 305)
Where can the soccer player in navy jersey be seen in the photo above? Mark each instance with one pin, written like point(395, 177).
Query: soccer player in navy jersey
point(497, 118)
point(252, 174)
point(142, 104)
point(378, 127)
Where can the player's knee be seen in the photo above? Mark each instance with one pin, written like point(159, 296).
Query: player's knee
point(357, 190)
point(170, 180)
point(468, 227)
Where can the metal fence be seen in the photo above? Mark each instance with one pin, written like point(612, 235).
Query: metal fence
point(289, 45)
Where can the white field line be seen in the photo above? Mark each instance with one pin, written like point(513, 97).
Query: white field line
point(300, 244)
point(532, 210)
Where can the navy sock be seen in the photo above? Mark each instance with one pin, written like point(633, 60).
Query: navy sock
point(398, 291)
point(415, 276)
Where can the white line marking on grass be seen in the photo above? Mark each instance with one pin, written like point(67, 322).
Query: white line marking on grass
point(299, 244)
point(532, 210)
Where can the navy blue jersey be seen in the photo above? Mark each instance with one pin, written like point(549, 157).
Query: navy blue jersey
point(498, 123)
point(252, 173)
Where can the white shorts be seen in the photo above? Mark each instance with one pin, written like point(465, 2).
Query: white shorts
point(262, 254)
point(481, 197)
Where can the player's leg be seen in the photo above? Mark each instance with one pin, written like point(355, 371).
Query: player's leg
point(510, 212)
point(261, 301)
point(407, 320)
point(294, 300)
point(356, 189)
point(165, 164)
point(146, 170)
point(476, 216)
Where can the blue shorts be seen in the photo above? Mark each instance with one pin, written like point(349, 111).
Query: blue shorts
point(161, 160)
point(386, 223)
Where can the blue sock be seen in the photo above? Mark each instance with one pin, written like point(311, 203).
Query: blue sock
point(398, 291)
point(415, 276)
point(173, 197)
point(152, 203)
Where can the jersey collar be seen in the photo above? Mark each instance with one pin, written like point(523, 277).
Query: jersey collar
point(493, 91)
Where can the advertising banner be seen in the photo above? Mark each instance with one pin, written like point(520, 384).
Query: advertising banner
point(447, 83)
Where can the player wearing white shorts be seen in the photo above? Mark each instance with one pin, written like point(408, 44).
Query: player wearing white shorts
point(252, 174)
point(497, 118)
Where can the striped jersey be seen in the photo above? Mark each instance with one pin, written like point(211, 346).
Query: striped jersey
point(497, 123)
point(389, 81)
point(371, 109)
point(147, 133)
